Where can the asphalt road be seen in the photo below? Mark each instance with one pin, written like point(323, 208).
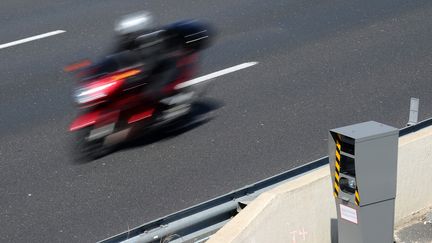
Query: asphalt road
point(322, 64)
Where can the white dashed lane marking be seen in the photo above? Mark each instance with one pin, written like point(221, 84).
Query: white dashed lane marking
point(33, 38)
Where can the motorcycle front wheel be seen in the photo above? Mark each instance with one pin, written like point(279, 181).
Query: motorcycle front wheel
point(89, 150)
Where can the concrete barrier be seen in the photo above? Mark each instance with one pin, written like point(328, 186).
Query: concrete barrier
point(303, 209)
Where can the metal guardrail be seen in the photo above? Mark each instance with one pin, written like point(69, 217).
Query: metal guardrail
point(197, 223)
point(206, 214)
point(414, 128)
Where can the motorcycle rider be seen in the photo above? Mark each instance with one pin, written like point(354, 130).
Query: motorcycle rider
point(159, 58)
point(168, 54)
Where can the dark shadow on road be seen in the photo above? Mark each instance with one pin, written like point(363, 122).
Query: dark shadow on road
point(196, 118)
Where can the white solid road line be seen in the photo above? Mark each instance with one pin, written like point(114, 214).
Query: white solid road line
point(216, 74)
point(36, 37)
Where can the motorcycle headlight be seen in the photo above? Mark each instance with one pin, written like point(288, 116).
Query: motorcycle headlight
point(81, 97)
point(88, 94)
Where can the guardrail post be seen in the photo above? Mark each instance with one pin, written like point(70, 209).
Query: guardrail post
point(414, 109)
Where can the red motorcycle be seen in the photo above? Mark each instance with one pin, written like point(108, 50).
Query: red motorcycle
point(113, 108)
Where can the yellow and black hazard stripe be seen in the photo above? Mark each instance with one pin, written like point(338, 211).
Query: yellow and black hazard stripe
point(337, 167)
point(357, 197)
